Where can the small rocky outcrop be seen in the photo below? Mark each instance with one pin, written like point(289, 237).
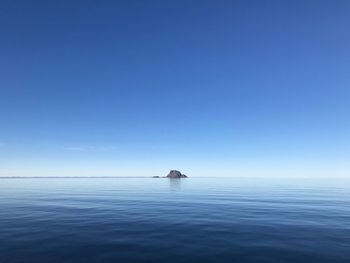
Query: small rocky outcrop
point(175, 174)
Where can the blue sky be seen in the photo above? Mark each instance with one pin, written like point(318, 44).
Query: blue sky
point(208, 87)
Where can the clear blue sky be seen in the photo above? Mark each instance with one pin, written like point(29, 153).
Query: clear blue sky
point(208, 87)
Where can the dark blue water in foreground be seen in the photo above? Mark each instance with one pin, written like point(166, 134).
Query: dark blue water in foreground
point(162, 220)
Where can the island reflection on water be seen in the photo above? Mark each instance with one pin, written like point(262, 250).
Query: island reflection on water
point(175, 183)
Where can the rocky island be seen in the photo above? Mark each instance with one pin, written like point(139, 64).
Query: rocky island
point(173, 174)
point(176, 174)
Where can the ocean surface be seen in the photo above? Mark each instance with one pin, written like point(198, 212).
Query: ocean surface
point(174, 220)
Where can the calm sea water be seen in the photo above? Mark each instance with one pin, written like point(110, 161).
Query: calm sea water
point(162, 220)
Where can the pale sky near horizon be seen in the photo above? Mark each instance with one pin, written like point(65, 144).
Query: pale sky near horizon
point(211, 88)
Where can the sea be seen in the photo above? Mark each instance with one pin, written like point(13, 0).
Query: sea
point(200, 220)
